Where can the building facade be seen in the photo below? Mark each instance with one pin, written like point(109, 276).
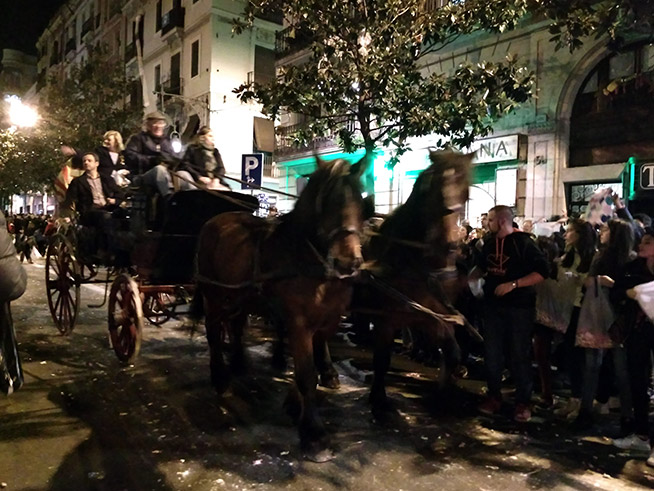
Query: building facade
point(185, 61)
point(591, 113)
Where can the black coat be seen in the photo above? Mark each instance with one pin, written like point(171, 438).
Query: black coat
point(193, 162)
point(80, 195)
point(144, 151)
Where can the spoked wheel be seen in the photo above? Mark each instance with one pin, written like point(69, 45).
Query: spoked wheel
point(155, 308)
point(62, 274)
point(125, 318)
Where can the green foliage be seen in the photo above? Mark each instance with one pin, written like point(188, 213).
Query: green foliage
point(27, 161)
point(364, 78)
point(74, 112)
point(89, 102)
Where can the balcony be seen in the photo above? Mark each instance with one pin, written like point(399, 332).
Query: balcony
point(87, 26)
point(130, 51)
point(54, 59)
point(40, 80)
point(291, 40)
point(172, 19)
point(71, 45)
point(286, 142)
point(274, 15)
point(115, 8)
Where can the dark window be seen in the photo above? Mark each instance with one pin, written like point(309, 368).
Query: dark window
point(157, 22)
point(195, 58)
point(264, 65)
point(157, 78)
point(175, 83)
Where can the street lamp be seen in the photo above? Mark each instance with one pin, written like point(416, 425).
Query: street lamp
point(21, 115)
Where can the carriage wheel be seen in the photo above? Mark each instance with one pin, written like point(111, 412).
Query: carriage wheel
point(62, 283)
point(125, 318)
point(155, 308)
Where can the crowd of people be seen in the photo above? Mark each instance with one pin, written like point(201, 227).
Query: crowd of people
point(571, 298)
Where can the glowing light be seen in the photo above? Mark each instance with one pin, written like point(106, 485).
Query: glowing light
point(21, 115)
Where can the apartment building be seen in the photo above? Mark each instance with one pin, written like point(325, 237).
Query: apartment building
point(185, 60)
point(588, 126)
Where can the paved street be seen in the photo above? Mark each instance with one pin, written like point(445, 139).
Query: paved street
point(83, 421)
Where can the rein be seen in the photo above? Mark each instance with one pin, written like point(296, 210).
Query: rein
point(457, 319)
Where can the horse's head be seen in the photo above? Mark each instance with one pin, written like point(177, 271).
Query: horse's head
point(330, 212)
point(438, 195)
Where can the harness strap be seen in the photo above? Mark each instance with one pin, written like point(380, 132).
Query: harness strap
point(457, 319)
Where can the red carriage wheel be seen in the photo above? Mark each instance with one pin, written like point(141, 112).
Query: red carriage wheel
point(125, 318)
point(62, 283)
point(155, 308)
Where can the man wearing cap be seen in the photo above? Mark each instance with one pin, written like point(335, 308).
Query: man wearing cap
point(147, 151)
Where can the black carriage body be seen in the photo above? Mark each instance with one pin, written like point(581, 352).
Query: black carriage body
point(167, 256)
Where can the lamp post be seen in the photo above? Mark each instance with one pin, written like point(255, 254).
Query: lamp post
point(21, 115)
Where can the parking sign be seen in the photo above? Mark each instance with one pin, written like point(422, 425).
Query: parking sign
point(251, 170)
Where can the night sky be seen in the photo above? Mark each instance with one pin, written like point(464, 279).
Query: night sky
point(22, 21)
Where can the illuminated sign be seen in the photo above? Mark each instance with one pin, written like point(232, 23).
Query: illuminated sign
point(496, 149)
point(647, 176)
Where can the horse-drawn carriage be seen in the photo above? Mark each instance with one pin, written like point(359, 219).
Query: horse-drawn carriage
point(146, 273)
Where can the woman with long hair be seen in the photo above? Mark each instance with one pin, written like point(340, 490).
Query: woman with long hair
point(616, 250)
point(575, 264)
point(639, 343)
point(203, 161)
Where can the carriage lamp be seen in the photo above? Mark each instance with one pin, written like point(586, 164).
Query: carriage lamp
point(21, 115)
point(176, 142)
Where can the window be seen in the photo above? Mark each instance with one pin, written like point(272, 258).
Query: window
point(175, 81)
point(264, 65)
point(157, 22)
point(157, 78)
point(195, 58)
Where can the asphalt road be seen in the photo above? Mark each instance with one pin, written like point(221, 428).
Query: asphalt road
point(82, 421)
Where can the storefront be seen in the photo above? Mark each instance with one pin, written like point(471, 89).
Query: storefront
point(495, 173)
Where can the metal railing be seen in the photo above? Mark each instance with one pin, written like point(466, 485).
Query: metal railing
point(286, 142)
point(87, 26)
point(291, 40)
point(130, 51)
point(71, 45)
point(172, 19)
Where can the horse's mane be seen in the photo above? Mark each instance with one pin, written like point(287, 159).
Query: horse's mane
point(415, 220)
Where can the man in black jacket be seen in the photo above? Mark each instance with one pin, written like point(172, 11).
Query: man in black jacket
point(513, 265)
point(146, 153)
point(94, 197)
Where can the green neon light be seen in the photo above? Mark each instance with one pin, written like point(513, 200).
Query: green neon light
point(632, 177)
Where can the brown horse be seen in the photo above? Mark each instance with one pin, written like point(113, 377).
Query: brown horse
point(300, 268)
point(412, 245)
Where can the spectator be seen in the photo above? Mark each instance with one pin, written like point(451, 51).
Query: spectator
point(513, 265)
point(639, 344)
point(13, 282)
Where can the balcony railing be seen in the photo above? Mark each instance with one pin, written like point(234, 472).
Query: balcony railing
point(87, 26)
point(291, 40)
point(54, 59)
point(71, 45)
point(130, 51)
point(115, 7)
point(172, 19)
point(172, 86)
point(275, 16)
point(285, 141)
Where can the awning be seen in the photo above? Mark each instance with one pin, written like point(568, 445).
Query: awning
point(264, 135)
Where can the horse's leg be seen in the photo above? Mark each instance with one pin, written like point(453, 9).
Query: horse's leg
point(328, 374)
point(214, 327)
point(384, 334)
point(238, 360)
point(313, 437)
point(278, 355)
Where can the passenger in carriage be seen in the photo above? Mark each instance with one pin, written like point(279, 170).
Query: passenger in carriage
point(147, 152)
point(110, 155)
point(203, 161)
point(94, 197)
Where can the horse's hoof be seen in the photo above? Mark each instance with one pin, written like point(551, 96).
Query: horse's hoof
point(330, 380)
point(320, 456)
